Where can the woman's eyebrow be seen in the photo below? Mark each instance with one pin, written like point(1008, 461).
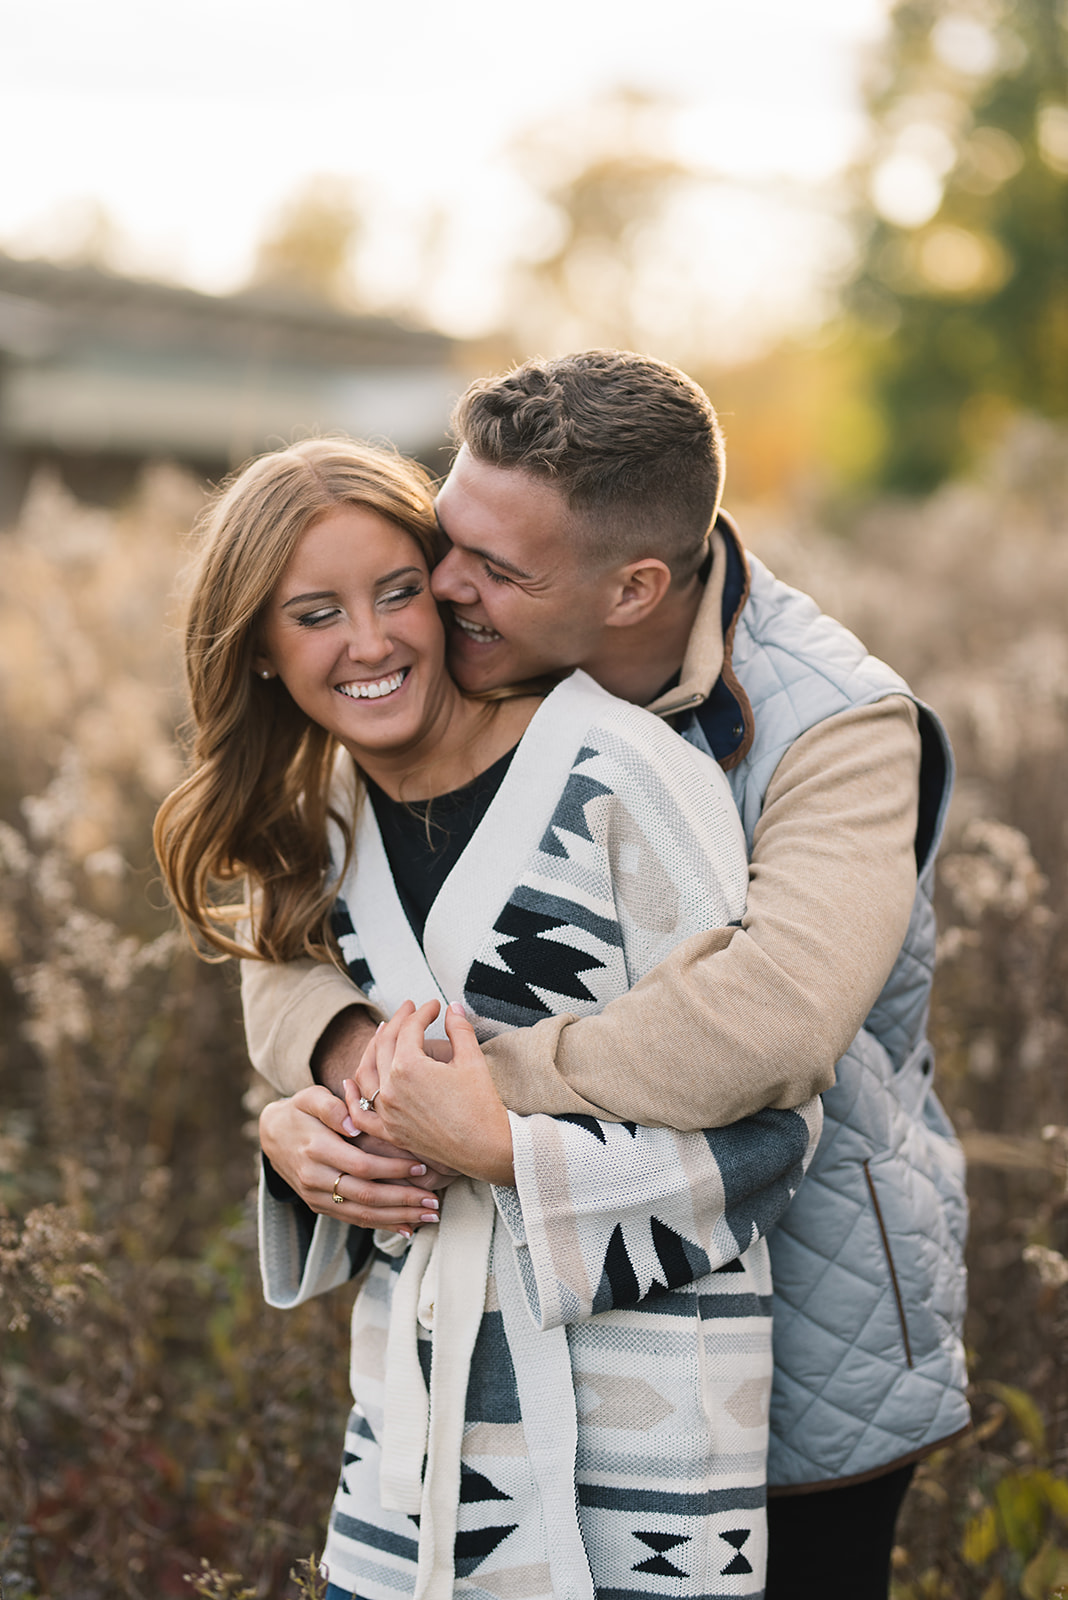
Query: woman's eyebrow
point(316, 594)
point(398, 572)
point(331, 594)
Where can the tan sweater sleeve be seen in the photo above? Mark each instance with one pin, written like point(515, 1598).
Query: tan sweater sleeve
point(740, 1019)
point(287, 1009)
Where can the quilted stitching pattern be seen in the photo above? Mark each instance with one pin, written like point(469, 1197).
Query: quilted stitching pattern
point(846, 1399)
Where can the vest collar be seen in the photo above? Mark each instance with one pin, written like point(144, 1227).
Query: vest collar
point(708, 652)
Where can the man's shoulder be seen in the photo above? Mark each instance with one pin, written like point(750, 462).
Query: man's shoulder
point(783, 637)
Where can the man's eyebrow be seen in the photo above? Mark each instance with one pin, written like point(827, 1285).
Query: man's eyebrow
point(499, 561)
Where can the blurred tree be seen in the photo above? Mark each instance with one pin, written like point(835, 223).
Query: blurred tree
point(606, 178)
point(638, 246)
point(964, 274)
point(81, 232)
point(797, 422)
point(308, 248)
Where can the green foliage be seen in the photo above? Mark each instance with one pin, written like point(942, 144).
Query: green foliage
point(965, 216)
point(1015, 1541)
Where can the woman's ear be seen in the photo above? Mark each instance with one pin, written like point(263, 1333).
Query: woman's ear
point(642, 586)
point(261, 665)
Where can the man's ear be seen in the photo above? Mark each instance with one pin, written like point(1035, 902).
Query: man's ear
point(641, 587)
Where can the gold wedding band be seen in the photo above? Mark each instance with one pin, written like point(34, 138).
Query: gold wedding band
point(338, 1199)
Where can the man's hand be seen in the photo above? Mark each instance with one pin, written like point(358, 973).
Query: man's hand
point(448, 1108)
point(309, 1141)
point(340, 1047)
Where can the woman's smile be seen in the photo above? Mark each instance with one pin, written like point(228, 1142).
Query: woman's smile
point(376, 689)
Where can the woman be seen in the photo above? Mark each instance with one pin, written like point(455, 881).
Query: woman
point(582, 841)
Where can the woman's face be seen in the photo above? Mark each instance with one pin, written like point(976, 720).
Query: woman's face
point(355, 635)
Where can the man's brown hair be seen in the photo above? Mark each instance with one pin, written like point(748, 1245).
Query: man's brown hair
point(632, 444)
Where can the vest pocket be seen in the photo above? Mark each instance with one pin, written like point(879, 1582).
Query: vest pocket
point(884, 1236)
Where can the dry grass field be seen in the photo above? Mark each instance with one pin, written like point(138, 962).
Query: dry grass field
point(154, 1415)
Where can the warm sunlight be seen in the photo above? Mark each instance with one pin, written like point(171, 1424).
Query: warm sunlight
point(172, 138)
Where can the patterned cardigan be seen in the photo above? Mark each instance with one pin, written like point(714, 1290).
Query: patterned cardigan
point(613, 1368)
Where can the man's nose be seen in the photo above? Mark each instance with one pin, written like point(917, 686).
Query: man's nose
point(448, 581)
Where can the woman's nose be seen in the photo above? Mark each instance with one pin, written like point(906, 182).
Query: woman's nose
point(369, 642)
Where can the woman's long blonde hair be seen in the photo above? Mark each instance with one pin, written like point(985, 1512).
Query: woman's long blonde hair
point(256, 804)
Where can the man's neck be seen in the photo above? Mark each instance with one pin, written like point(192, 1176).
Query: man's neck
point(635, 663)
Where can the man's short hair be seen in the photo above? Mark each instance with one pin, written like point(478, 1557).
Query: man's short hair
point(632, 444)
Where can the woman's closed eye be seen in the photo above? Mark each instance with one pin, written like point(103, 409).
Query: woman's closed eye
point(402, 595)
point(312, 619)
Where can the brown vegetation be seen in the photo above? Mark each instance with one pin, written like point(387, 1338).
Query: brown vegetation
point(154, 1415)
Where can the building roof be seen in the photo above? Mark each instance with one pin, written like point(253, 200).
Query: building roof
point(94, 362)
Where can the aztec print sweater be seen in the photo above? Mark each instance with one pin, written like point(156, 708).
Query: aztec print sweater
point(612, 1428)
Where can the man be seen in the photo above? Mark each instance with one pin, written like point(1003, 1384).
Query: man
point(583, 527)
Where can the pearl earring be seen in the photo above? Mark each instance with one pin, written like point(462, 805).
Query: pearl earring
point(265, 673)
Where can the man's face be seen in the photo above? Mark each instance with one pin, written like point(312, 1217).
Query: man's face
point(524, 599)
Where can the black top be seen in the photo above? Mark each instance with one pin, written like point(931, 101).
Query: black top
point(422, 850)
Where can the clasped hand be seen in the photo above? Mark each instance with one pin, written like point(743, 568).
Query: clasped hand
point(432, 1096)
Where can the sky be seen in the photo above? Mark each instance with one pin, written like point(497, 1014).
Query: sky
point(192, 123)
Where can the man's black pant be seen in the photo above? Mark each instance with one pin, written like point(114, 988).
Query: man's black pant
point(834, 1544)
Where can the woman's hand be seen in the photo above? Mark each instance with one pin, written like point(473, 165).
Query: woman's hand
point(448, 1109)
point(304, 1139)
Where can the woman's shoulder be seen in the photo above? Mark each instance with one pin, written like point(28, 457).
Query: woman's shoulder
point(579, 693)
point(634, 754)
point(644, 733)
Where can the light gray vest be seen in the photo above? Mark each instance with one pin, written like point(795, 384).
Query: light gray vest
point(868, 1261)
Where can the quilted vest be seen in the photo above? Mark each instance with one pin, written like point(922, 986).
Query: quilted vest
point(868, 1261)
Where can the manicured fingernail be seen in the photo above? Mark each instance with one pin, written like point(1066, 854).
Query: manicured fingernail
point(417, 1172)
point(350, 1127)
point(429, 1201)
point(407, 1232)
point(429, 1216)
point(456, 1008)
point(381, 1025)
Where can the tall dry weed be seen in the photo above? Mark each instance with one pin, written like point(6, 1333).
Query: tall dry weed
point(154, 1413)
point(157, 1422)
